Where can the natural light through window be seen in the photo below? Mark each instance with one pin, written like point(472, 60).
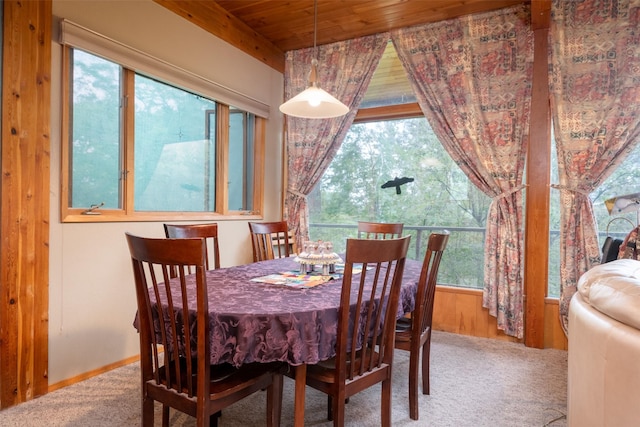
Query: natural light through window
point(439, 197)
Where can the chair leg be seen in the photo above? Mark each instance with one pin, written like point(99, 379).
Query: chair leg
point(165, 416)
point(147, 412)
point(213, 419)
point(426, 350)
point(385, 416)
point(414, 359)
point(338, 409)
point(330, 406)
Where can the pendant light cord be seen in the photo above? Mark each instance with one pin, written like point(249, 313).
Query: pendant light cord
point(314, 102)
point(315, 24)
point(313, 73)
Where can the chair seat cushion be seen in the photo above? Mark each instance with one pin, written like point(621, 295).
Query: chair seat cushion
point(403, 324)
point(403, 330)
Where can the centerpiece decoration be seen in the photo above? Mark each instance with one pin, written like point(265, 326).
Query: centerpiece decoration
point(318, 253)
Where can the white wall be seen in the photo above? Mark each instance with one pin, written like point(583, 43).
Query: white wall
point(92, 300)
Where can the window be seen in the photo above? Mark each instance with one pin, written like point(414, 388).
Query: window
point(389, 84)
point(139, 148)
point(241, 148)
point(440, 197)
point(388, 142)
point(624, 180)
point(174, 149)
point(95, 152)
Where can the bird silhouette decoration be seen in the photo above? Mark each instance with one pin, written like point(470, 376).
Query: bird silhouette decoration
point(397, 182)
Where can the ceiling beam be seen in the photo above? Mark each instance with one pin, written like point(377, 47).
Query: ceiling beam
point(540, 14)
point(209, 16)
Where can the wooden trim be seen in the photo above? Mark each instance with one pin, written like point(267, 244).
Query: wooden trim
point(391, 112)
point(127, 162)
point(540, 14)
point(119, 216)
point(554, 336)
point(284, 168)
point(222, 158)
point(460, 311)
point(90, 374)
point(258, 166)
point(212, 18)
point(24, 242)
point(65, 126)
point(536, 260)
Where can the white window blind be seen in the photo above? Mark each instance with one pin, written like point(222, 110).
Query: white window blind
point(74, 35)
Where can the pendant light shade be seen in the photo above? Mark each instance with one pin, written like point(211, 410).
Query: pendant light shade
point(314, 102)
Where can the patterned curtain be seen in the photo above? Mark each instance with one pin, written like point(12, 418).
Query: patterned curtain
point(344, 70)
point(595, 87)
point(472, 77)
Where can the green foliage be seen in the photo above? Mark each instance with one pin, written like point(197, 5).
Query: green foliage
point(170, 122)
point(625, 179)
point(374, 153)
point(439, 197)
point(95, 136)
point(174, 151)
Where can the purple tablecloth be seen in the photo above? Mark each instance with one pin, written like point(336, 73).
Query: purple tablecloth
point(261, 322)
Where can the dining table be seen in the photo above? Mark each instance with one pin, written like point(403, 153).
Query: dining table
point(269, 311)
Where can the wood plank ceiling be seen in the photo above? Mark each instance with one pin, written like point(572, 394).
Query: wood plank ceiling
point(266, 29)
point(289, 24)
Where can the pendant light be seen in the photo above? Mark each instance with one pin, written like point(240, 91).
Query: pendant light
point(314, 102)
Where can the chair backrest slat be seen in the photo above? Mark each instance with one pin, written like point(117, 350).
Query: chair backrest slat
point(270, 240)
point(379, 230)
point(423, 312)
point(207, 231)
point(366, 321)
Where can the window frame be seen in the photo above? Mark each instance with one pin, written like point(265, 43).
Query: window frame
point(127, 212)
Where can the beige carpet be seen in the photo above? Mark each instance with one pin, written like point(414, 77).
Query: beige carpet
point(474, 382)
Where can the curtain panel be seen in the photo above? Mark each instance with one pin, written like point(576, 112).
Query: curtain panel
point(595, 87)
point(472, 77)
point(344, 70)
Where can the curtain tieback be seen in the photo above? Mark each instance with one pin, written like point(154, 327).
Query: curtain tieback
point(572, 190)
point(509, 192)
point(297, 193)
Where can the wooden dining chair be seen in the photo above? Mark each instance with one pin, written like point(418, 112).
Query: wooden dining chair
point(175, 349)
point(379, 230)
point(207, 231)
point(414, 334)
point(270, 240)
point(366, 326)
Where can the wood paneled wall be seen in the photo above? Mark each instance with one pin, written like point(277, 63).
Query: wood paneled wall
point(24, 214)
point(460, 311)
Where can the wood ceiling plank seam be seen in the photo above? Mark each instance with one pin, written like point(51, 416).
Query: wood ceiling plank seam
point(289, 24)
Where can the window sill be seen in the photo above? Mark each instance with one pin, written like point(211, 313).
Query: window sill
point(118, 216)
